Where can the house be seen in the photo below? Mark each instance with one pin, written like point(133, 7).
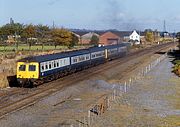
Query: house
point(135, 38)
point(12, 39)
point(165, 35)
point(109, 38)
point(77, 35)
point(86, 38)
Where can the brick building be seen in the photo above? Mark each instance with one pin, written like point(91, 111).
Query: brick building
point(109, 38)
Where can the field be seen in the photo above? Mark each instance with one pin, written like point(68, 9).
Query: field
point(32, 48)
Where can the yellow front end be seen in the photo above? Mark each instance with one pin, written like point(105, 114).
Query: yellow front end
point(27, 70)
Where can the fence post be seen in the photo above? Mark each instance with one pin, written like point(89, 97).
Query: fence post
point(125, 87)
point(114, 94)
point(89, 117)
point(109, 107)
point(130, 80)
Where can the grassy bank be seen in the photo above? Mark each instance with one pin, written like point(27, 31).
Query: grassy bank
point(32, 48)
point(176, 68)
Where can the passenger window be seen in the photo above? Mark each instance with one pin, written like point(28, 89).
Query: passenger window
point(42, 67)
point(54, 64)
point(22, 68)
point(46, 66)
point(32, 68)
point(49, 65)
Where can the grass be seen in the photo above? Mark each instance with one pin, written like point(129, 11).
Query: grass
point(13, 48)
point(174, 98)
point(171, 121)
point(27, 48)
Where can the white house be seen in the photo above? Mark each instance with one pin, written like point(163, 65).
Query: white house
point(135, 37)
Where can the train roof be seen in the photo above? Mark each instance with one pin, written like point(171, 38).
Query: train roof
point(114, 46)
point(49, 57)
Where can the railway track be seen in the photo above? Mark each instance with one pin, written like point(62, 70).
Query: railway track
point(52, 87)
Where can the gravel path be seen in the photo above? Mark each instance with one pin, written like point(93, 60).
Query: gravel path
point(153, 101)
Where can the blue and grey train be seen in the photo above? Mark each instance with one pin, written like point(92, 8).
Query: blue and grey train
point(32, 71)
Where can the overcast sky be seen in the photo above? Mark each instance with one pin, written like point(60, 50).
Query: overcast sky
point(94, 14)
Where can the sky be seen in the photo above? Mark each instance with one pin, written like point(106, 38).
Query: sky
point(94, 14)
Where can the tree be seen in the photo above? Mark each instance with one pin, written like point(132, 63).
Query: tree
point(75, 40)
point(29, 34)
point(15, 29)
point(43, 33)
point(61, 37)
point(149, 36)
point(178, 37)
point(94, 40)
point(1, 35)
point(29, 31)
point(12, 29)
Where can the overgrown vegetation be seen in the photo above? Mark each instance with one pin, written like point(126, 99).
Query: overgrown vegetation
point(176, 68)
point(176, 54)
point(17, 34)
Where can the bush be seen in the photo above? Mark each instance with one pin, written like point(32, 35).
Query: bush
point(176, 62)
point(176, 68)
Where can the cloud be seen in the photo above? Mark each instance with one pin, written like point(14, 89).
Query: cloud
point(116, 17)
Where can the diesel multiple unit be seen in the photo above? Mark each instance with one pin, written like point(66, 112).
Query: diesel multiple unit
point(39, 69)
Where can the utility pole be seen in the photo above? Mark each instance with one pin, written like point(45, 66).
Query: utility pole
point(53, 25)
point(164, 27)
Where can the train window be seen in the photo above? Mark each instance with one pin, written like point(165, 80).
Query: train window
point(46, 67)
point(54, 63)
point(57, 64)
point(50, 66)
point(42, 67)
point(32, 68)
point(60, 62)
point(74, 60)
point(22, 68)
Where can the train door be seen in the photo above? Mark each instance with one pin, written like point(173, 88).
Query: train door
point(106, 54)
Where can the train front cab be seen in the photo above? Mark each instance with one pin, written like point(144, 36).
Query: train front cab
point(27, 73)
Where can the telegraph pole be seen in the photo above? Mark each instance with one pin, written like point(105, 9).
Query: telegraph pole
point(53, 25)
point(164, 27)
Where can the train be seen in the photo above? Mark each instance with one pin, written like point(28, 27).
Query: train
point(35, 70)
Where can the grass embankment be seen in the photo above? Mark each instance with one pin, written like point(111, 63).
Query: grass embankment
point(22, 48)
point(32, 48)
point(176, 68)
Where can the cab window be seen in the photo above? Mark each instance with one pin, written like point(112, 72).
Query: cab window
point(32, 68)
point(22, 67)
